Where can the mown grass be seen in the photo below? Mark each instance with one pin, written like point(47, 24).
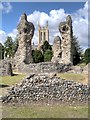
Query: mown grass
point(81, 64)
point(42, 110)
point(71, 76)
point(7, 81)
point(45, 111)
point(11, 80)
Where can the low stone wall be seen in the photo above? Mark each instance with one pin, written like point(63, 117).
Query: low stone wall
point(45, 67)
point(79, 69)
point(46, 88)
point(50, 67)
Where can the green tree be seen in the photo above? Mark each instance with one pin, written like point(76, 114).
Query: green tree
point(48, 55)
point(76, 50)
point(37, 56)
point(1, 51)
point(10, 46)
point(15, 45)
point(87, 55)
point(47, 51)
point(46, 46)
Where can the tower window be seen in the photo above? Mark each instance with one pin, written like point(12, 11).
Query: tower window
point(44, 36)
point(41, 36)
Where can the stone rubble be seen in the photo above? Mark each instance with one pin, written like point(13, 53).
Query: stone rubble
point(44, 88)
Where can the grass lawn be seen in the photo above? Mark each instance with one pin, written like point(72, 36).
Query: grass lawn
point(45, 111)
point(81, 64)
point(42, 110)
point(8, 81)
point(82, 78)
point(11, 80)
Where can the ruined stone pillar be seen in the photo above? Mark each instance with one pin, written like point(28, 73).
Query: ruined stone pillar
point(65, 29)
point(25, 35)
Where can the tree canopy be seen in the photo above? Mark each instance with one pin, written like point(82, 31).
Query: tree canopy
point(46, 46)
point(10, 46)
point(76, 51)
point(44, 55)
point(1, 51)
point(37, 56)
point(87, 55)
point(48, 55)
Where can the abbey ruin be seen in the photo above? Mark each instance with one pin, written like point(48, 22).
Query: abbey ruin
point(42, 83)
point(61, 47)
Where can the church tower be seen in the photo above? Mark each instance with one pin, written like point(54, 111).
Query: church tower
point(43, 34)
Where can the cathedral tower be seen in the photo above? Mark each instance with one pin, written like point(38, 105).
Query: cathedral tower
point(43, 34)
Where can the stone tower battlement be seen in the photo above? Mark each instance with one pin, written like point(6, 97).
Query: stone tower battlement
point(43, 34)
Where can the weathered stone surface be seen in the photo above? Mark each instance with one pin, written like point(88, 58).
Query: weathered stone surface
point(25, 35)
point(86, 69)
point(79, 69)
point(57, 52)
point(53, 68)
point(43, 88)
point(44, 67)
point(65, 29)
point(5, 68)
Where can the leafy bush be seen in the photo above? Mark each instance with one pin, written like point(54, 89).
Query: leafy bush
point(87, 55)
point(48, 55)
point(46, 46)
point(37, 56)
point(45, 55)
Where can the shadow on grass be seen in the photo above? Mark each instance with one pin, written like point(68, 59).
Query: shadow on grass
point(3, 86)
point(14, 74)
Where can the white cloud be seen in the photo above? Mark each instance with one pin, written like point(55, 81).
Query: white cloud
point(80, 24)
point(5, 7)
point(2, 36)
point(13, 34)
point(53, 19)
point(1, 6)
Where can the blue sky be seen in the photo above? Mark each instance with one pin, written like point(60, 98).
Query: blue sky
point(53, 12)
point(9, 21)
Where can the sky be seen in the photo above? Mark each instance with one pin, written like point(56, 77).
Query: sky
point(53, 12)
